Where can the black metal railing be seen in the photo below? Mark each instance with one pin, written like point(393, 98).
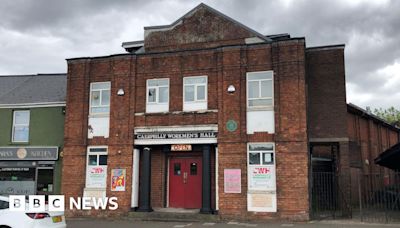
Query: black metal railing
point(379, 197)
point(376, 197)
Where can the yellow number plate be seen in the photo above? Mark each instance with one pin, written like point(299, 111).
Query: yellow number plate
point(57, 219)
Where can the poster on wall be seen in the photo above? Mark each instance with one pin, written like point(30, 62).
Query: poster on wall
point(232, 181)
point(262, 178)
point(96, 176)
point(262, 202)
point(118, 180)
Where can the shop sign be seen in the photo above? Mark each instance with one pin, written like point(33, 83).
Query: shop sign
point(4, 169)
point(175, 135)
point(118, 180)
point(232, 181)
point(96, 176)
point(181, 147)
point(262, 178)
point(29, 153)
point(17, 187)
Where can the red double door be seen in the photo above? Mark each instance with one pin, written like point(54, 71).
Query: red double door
point(185, 182)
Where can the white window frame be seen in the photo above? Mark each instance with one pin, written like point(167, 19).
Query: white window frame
point(100, 99)
point(262, 190)
point(97, 153)
point(157, 91)
point(156, 105)
point(205, 84)
point(19, 125)
point(260, 151)
point(98, 158)
point(266, 107)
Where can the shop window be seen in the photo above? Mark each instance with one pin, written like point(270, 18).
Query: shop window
point(99, 109)
point(96, 170)
point(45, 181)
point(20, 130)
point(157, 98)
point(260, 102)
point(195, 93)
point(18, 179)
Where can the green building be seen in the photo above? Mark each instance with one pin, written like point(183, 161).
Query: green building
point(32, 109)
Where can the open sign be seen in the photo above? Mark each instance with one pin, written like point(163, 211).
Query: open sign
point(181, 147)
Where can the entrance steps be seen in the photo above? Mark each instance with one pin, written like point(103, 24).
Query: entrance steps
point(173, 215)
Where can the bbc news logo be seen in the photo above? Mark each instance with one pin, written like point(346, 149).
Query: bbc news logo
point(38, 203)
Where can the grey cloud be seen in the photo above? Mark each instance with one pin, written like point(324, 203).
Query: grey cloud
point(370, 31)
point(40, 34)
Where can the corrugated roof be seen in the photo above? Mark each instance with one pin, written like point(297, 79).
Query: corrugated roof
point(32, 89)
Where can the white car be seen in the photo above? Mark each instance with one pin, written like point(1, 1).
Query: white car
point(21, 219)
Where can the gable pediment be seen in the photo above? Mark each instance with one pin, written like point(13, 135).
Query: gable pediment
point(202, 27)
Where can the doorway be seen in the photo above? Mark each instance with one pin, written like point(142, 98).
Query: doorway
point(185, 182)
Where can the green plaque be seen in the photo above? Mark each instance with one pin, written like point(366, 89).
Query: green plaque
point(231, 125)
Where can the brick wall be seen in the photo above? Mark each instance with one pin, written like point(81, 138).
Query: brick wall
point(326, 92)
point(224, 67)
point(327, 110)
point(202, 28)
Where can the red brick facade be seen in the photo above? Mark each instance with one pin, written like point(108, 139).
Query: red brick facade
point(357, 137)
point(206, 43)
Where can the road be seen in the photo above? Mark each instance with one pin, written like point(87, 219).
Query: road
point(100, 223)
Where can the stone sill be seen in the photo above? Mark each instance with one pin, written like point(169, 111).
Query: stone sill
point(176, 113)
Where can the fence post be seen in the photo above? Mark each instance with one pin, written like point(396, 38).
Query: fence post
point(360, 195)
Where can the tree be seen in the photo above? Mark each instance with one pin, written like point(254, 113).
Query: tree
point(391, 115)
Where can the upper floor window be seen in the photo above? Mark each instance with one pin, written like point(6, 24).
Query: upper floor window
point(20, 130)
point(260, 89)
point(100, 97)
point(195, 93)
point(157, 95)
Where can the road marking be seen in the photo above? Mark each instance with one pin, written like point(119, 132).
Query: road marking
point(242, 224)
point(287, 225)
point(181, 226)
point(208, 224)
point(248, 224)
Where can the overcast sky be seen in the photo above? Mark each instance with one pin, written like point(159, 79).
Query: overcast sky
point(38, 35)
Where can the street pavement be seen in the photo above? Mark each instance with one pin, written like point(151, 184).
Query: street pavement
point(122, 223)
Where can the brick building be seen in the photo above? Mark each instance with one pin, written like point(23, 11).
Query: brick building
point(204, 113)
